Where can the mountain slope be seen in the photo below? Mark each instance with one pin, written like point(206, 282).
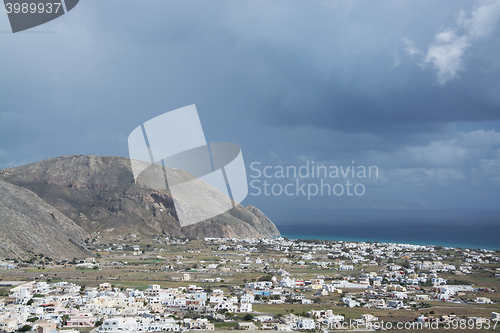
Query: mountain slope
point(100, 194)
point(28, 223)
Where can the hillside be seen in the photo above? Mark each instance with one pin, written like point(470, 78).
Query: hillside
point(100, 194)
point(29, 224)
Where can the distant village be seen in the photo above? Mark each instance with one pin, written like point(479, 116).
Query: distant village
point(342, 285)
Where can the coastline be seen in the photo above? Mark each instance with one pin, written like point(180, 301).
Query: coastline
point(470, 229)
point(387, 240)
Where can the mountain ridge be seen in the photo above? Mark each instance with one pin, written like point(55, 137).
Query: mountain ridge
point(30, 225)
point(100, 194)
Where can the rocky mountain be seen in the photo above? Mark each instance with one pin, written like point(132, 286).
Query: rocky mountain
point(100, 194)
point(29, 224)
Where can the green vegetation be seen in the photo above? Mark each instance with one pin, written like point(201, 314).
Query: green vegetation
point(225, 326)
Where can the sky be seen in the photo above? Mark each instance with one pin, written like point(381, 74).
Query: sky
point(411, 87)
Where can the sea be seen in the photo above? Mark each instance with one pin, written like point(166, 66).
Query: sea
point(473, 229)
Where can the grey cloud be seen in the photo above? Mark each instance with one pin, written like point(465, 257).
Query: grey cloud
point(446, 53)
point(333, 81)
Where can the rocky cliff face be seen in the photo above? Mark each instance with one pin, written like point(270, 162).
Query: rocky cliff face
point(99, 193)
point(29, 224)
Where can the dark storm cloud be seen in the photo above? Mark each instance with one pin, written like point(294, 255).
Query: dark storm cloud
point(385, 82)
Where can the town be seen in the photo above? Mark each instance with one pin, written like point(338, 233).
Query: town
point(136, 284)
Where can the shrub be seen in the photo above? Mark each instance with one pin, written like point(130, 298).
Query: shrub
point(25, 328)
point(248, 317)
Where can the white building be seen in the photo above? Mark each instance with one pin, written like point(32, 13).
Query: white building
point(229, 306)
point(304, 324)
point(350, 302)
point(247, 298)
point(246, 307)
point(346, 267)
point(118, 324)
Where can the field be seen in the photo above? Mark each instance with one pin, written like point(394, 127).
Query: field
point(165, 265)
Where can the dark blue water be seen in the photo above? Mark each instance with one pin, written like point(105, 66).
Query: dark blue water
point(463, 228)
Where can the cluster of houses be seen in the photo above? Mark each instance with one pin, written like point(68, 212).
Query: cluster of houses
point(49, 306)
point(371, 268)
point(362, 274)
